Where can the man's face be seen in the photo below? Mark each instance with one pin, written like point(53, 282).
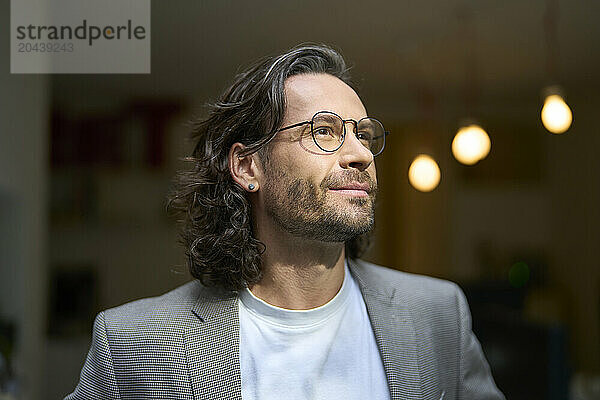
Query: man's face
point(311, 193)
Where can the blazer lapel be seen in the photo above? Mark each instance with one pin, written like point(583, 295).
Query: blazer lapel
point(394, 332)
point(212, 341)
point(212, 347)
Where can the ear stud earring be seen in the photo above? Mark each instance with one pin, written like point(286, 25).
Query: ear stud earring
point(251, 186)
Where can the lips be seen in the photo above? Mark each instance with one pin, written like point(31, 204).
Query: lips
point(353, 189)
point(353, 186)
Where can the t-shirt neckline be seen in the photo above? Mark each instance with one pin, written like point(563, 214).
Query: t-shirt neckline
point(297, 318)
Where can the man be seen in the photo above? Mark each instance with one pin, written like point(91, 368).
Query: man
point(275, 212)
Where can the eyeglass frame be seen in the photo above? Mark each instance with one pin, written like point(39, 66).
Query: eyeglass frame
point(344, 121)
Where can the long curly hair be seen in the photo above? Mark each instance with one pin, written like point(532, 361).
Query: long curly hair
point(213, 211)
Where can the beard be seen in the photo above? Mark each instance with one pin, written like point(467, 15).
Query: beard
point(309, 211)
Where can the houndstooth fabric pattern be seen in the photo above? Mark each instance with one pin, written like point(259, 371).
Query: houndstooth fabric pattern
point(185, 343)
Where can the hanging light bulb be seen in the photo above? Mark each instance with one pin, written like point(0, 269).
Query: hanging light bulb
point(424, 173)
point(556, 114)
point(471, 144)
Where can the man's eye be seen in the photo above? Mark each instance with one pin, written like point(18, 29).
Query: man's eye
point(324, 131)
point(364, 136)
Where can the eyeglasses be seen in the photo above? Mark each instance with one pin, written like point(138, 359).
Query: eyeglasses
point(328, 131)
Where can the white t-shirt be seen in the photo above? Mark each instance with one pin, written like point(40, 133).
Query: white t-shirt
point(328, 352)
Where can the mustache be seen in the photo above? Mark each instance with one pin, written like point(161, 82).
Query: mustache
point(340, 179)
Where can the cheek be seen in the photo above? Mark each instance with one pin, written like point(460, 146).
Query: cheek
point(297, 162)
point(312, 167)
point(317, 168)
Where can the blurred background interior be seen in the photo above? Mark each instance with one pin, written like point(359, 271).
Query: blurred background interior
point(86, 162)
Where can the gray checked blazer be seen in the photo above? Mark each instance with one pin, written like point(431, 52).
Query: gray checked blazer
point(185, 343)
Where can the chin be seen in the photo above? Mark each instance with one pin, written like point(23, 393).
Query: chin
point(354, 222)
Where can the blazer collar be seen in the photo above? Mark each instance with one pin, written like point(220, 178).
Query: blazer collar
point(394, 331)
point(212, 341)
point(212, 344)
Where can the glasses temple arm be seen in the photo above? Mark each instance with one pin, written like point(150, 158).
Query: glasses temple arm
point(385, 133)
point(294, 126)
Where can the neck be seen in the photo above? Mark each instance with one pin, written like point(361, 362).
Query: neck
point(299, 274)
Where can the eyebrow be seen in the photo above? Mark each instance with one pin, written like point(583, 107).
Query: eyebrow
point(329, 118)
point(366, 123)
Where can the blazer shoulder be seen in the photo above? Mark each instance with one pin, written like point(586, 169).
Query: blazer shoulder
point(401, 278)
point(410, 286)
point(167, 309)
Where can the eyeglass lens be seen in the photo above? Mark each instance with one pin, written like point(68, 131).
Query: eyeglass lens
point(328, 132)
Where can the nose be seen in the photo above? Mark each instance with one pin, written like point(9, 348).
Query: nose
point(353, 154)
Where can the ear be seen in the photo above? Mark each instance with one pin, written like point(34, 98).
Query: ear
point(243, 169)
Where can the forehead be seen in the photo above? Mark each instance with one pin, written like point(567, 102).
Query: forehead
point(306, 94)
